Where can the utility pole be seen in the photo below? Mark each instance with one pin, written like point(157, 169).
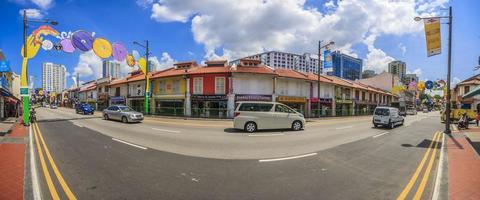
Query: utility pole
point(147, 81)
point(449, 66)
point(25, 99)
point(448, 110)
point(320, 47)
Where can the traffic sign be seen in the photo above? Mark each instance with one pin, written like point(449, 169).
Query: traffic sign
point(24, 91)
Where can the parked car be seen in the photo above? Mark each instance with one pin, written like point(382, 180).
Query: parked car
point(122, 113)
point(251, 116)
point(387, 116)
point(84, 108)
point(53, 106)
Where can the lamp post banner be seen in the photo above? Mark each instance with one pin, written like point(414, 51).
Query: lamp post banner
point(432, 36)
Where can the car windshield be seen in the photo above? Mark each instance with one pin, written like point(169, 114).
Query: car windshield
point(239, 99)
point(125, 108)
point(382, 111)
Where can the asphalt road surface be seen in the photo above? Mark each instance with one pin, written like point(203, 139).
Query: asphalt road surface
point(91, 158)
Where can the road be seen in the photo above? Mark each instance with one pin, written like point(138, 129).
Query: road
point(193, 159)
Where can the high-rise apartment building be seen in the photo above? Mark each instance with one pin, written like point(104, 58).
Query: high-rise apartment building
point(54, 77)
point(111, 69)
point(276, 59)
point(398, 68)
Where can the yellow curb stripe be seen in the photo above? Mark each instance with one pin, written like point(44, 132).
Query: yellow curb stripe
point(424, 181)
point(46, 173)
point(59, 176)
point(412, 181)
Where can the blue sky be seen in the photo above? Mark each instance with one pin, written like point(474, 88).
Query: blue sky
point(199, 30)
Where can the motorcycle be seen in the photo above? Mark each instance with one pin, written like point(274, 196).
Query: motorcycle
point(463, 122)
point(33, 116)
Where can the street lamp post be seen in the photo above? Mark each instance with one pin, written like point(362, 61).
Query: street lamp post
point(320, 47)
point(23, 81)
point(147, 81)
point(449, 66)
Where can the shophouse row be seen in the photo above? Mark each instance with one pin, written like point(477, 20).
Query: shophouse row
point(213, 89)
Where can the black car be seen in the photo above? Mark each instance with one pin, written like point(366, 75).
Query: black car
point(84, 108)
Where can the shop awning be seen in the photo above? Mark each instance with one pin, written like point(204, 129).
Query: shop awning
point(474, 92)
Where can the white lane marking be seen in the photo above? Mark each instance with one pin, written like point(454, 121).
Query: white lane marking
point(375, 136)
point(436, 190)
point(78, 125)
point(266, 135)
point(165, 130)
point(344, 127)
point(128, 143)
point(33, 168)
point(287, 158)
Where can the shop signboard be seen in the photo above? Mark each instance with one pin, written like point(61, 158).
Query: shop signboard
point(292, 99)
point(253, 97)
point(24, 91)
point(209, 97)
point(344, 101)
point(322, 100)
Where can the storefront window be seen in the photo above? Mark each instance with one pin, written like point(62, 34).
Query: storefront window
point(219, 85)
point(161, 87)
point(198, 85)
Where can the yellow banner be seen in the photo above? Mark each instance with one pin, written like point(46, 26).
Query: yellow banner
point(432, 36)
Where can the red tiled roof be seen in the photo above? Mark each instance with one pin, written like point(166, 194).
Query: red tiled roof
point(89, 87)
point(168, 73)
point(131, 78)
point(209, 70)
point(290, 74)
point(261, 69)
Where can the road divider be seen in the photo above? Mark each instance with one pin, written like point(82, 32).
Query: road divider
point(344, 127)
point(413, 179)
point(287, 158)
point(378, 135)
point(266, 135)
point(128, 143)
point(165, 130)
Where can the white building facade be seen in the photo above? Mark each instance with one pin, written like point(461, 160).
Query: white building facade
point(276, 59)
point(111, 69)
point(54, 77)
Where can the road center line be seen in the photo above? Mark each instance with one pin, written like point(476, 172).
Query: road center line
point(344, 127)
point(287, 158)
point(128, 143)
point(165, 130)
point(384, 133)
point(266, 135)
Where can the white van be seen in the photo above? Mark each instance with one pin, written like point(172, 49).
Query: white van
point(254, 115)
point(387, 116)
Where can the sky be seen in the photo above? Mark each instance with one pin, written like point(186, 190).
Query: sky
point(377, 31)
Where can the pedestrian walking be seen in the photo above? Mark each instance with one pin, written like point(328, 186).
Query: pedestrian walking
point(477, 118)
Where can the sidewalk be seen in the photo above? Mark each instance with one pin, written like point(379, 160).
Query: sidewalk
point(464, 164)
point(12, 162)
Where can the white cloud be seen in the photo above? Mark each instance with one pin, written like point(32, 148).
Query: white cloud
point(377, 59)
point(241, 28)
point(417, 71)
point(144, 3)
point(166, 61)
point(89, 64)
point(44, 4)
point(402, 48)
point(32, 13)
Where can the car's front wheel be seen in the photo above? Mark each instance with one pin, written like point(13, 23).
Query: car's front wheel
point(105, 117)
point(250, 127)
point(391, 125)
point(296, 125)
point(124, 119)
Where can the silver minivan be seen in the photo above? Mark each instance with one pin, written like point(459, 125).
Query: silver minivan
point(387, 116)
point(253, 115)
